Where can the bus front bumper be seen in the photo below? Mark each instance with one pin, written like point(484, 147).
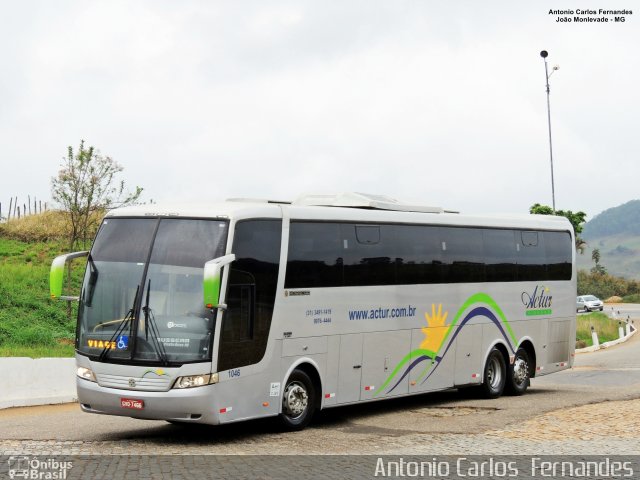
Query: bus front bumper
point(190, 405)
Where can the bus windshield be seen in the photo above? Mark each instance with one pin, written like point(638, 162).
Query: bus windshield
point(142, 297)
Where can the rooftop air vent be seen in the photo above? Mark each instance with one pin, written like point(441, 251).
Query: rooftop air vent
point(363, 200)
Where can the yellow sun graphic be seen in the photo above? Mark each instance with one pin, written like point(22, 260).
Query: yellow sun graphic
point(436, 330)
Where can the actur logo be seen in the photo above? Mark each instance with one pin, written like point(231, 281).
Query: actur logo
point(538, 302)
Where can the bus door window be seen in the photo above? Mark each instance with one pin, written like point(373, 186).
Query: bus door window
point(251, 293)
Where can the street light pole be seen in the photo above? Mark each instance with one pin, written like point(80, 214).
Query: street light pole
point(544, 54)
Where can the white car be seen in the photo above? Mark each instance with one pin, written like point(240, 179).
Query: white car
point(589, 303)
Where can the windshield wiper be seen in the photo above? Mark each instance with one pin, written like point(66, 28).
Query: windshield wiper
point(129, 317)
point(150, 322)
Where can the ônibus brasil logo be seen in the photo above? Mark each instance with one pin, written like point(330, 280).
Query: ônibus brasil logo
point(26, 467)
point(538, 302)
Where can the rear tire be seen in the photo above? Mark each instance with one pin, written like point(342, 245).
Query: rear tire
point(518, 374)
point(298, 401)
point(495, 375)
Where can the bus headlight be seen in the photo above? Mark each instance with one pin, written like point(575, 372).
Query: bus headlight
point(86, 373)
point(191, 381)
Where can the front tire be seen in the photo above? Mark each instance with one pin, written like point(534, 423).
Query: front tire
point(495, 375)
point(298, 401)
point(519, 373)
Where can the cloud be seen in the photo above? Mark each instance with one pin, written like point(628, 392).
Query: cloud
point(438, 103)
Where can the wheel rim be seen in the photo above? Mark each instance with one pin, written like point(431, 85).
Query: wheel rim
point(295, 400)
point(494, 373)
point(520, 371)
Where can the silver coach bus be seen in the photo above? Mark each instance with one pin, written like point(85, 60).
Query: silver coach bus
point(251, 308)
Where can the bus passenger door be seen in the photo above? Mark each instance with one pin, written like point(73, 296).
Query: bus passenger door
point(350, 368)
point(382, 352)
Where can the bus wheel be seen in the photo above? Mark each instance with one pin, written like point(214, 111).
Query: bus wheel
point(495, 375)
point(298, 401)
point(518, 374)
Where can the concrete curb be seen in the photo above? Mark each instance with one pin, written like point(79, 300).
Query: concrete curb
point(42, 381)
point(608, 344)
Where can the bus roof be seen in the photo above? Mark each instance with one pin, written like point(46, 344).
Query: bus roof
point(316, 209)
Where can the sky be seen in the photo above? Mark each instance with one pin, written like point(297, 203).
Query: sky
point(435, 103)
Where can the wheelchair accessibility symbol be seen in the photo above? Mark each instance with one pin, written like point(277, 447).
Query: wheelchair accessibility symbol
point(123, 342)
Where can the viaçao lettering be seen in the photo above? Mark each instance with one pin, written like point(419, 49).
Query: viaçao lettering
point(101, 344)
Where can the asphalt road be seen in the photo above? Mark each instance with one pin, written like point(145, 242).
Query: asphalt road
point(440, 423)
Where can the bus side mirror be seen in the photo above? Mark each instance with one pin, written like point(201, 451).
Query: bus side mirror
point(57, 273)
point(211, 280)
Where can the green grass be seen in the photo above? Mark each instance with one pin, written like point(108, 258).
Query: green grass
point(56, 351)
point(606, 328)
point(635, 298)
point(32, 324)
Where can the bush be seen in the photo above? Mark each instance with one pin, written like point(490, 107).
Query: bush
point(634, 298)
point(43, 227)
point(603, 285)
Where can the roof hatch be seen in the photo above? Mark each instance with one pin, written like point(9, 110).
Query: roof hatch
point(363, 200)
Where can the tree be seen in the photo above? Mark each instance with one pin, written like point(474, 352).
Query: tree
point(598, 269)
point(577, 219)
point(85, 187)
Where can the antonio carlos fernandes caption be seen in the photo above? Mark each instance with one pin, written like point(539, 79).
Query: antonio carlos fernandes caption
point(539, 468)
point(588, 15)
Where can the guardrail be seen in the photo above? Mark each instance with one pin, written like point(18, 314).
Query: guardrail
point(626, 332)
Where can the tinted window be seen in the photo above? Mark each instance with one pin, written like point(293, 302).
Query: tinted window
point(500, 255)
point(462, 255)
point(332, 254)
point(251, 293)
point(531, 257)
point(367, 255)
point(315, 255)
point(559, 250)
point(188, 243)
point(124, 240)
point(417, 254)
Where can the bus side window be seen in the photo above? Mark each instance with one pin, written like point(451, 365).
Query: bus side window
point(558, 246)
point(315, 255)
point(500, 255)
point(532, 261)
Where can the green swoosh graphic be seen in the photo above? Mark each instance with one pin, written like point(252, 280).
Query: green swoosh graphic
point(409, 356)
point(473, 299)
point(484, 298)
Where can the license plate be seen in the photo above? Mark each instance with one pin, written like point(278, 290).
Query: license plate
point(132, 403)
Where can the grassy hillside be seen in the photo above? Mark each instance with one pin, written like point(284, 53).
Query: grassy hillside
point(623, 219)
point(619, 254)
point(31, 324)
point(616, 233)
